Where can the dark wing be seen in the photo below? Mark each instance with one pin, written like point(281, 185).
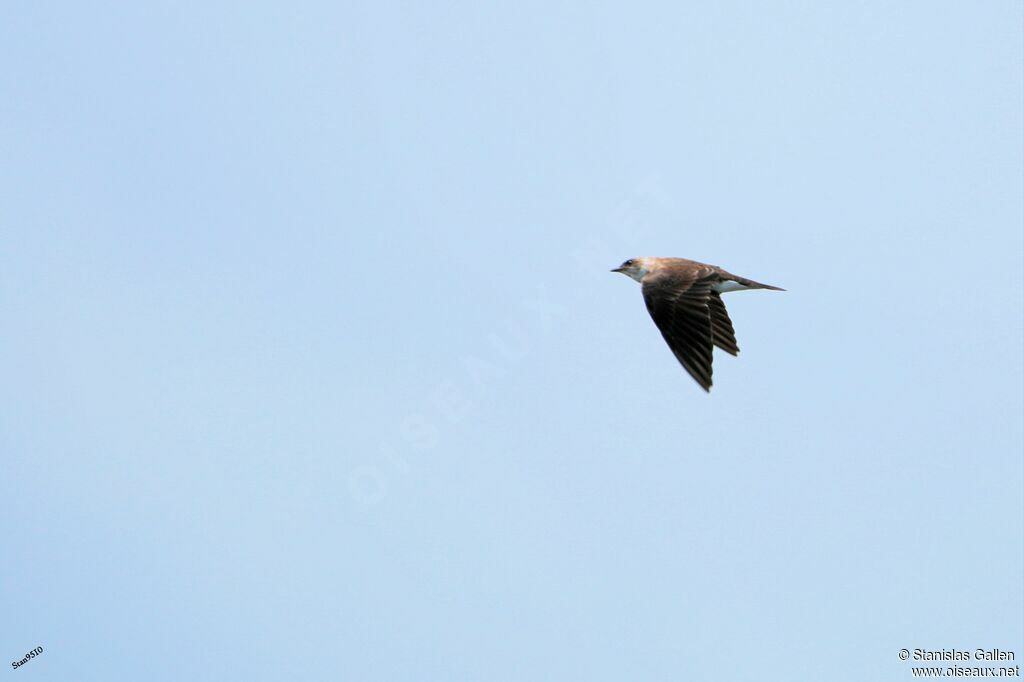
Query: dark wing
point(680, 308)
point(722, 334)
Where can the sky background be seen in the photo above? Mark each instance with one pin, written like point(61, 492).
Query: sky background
point(312, 366)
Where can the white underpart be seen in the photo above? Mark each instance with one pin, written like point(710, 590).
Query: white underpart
point(639, 268)
point(728, 285)
point(636, 272)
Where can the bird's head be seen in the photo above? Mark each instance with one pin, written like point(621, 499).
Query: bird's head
point(635, 268)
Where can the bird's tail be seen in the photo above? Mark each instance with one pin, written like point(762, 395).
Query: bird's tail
point(751, 284)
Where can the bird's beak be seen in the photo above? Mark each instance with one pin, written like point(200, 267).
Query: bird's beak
point(618, 269)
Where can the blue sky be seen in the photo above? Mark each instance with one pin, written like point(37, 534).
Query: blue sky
point(313, 367)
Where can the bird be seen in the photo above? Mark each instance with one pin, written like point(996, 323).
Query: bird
point(684, 298)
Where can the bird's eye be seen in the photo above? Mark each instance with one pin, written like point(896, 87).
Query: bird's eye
point(629, 262)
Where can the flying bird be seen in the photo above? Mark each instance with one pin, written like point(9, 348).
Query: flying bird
point(684, 298)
